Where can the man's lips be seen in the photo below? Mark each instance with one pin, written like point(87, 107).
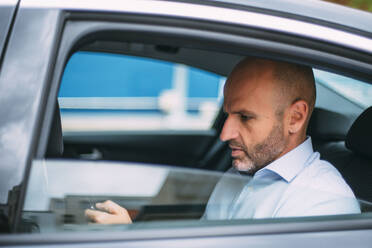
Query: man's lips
point(236, 151)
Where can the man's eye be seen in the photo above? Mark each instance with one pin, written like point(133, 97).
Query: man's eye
point(245, 117)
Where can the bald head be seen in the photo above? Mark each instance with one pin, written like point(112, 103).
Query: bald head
point(267, 105)
point(291, 82)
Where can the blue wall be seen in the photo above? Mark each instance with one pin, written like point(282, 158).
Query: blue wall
point(89, 74)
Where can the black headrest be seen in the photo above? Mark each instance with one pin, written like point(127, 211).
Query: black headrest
point(328, 125)
point(359, 137)
point(55, 142)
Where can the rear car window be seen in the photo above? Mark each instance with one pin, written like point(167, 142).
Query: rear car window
point(356, 91)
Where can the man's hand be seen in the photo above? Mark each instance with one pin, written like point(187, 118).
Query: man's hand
point(111, 213)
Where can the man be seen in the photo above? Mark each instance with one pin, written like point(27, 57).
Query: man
point(268, 106)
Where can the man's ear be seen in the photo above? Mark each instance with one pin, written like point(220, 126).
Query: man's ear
point(298, 113)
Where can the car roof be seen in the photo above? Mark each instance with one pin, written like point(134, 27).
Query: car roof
point(314, 9)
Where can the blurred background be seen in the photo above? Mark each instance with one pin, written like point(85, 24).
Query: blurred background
point(358, 4)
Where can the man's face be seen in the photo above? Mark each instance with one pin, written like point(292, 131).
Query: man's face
point(253, 129)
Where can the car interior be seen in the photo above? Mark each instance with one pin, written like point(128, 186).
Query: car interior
point(342, 138)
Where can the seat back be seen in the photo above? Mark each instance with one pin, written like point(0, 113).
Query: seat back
point(352, 157)
point(359, 141)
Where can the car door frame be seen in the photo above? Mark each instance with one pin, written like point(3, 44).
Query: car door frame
point(38, 108)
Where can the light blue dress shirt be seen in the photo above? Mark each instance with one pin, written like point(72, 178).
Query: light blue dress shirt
point(296, 184)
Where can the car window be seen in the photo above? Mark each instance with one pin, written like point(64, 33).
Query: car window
point(60, 191)
point(112, 92)
point(149, 193)
point(135, 132)
point(356, 91)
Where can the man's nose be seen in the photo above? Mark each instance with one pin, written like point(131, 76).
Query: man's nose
point(229, 130)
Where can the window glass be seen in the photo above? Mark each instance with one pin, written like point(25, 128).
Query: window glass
point(60, 191)
point(354, 90)
point(110, 92)
point(138, 170)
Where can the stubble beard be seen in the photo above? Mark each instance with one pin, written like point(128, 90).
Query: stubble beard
point(262, 153)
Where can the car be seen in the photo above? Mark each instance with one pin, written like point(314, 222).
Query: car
point(121, 100)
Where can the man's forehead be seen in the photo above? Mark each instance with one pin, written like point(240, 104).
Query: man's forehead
point(238, 89)
point(238, 103)
point(247, 97)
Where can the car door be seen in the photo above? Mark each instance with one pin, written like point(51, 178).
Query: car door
point(58, 29)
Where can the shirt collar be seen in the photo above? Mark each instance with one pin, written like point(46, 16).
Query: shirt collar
point(291, 163)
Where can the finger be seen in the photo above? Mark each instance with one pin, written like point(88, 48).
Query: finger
point(96, 216)
point(110, 207)
point(114, 214)
point(105, 218)
point(89, 213)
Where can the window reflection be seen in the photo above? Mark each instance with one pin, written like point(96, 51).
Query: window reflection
point(60, 190)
